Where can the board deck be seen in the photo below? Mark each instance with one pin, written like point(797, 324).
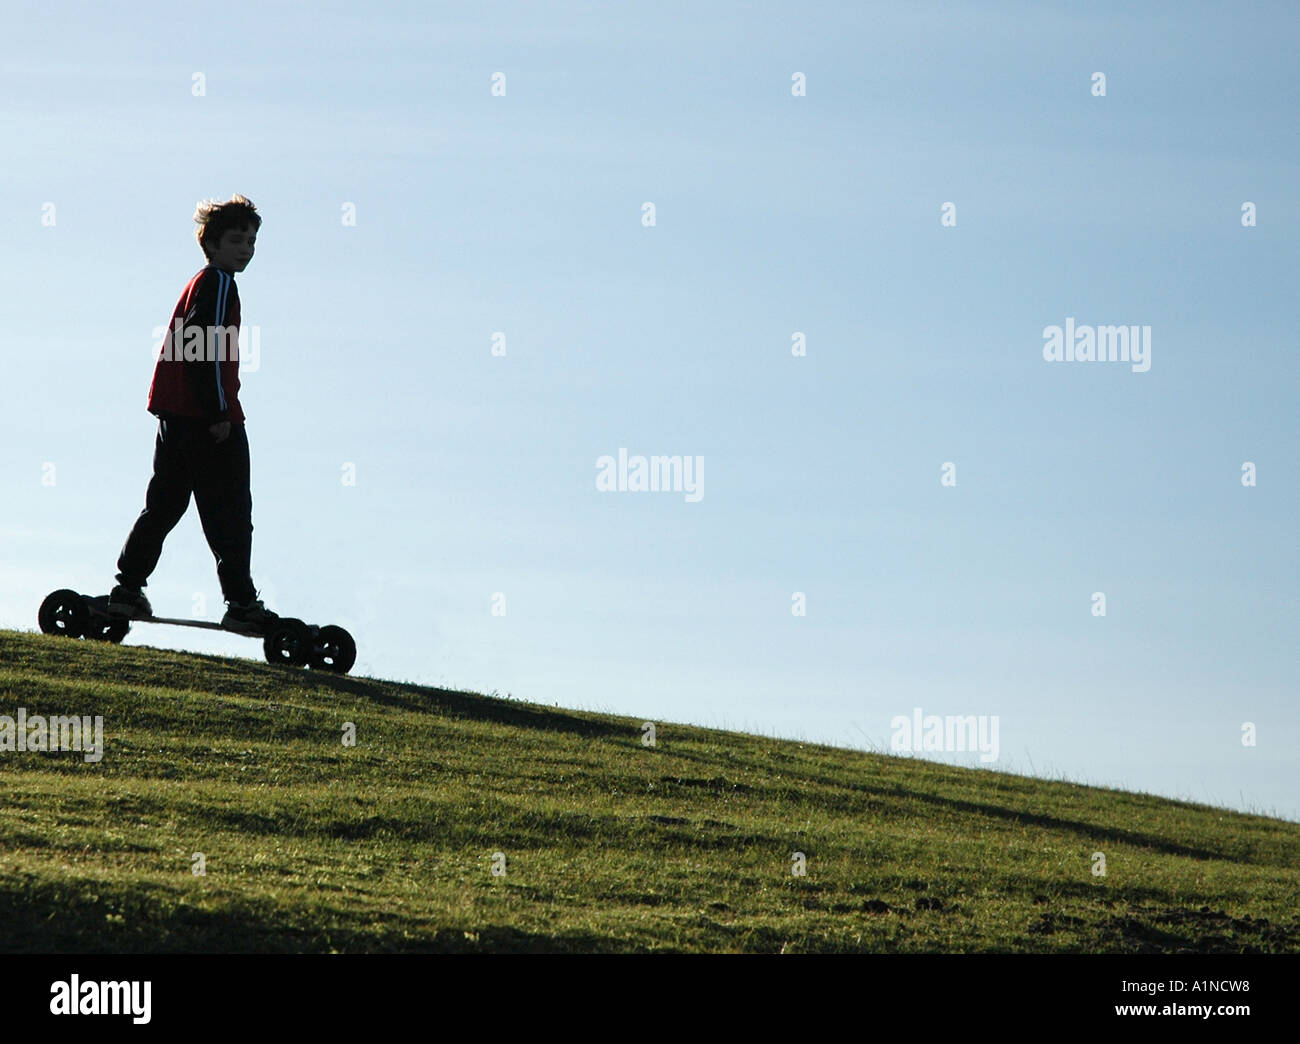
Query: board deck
point(286, 640)
point(206, 625)
point(100, 606)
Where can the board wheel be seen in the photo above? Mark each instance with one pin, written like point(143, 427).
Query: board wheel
point(334, 650)
point(64, 612)
point(289, 643)
point(101, 629)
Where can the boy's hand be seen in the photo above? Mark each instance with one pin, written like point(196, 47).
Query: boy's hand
point(221, 431)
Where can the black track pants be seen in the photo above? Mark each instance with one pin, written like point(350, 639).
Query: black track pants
point(188, 459)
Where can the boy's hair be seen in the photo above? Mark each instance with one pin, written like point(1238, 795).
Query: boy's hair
point(216, 219)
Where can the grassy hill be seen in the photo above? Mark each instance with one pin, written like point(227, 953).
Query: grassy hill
point(606, 844)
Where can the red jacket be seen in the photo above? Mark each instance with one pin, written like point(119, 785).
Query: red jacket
point(200, 378)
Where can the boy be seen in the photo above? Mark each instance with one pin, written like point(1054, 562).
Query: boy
point(201, 446)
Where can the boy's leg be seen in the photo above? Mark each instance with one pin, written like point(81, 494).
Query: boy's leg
point(165, 504)
point(221, 490)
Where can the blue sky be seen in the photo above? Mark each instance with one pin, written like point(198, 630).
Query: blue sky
point(774, 214)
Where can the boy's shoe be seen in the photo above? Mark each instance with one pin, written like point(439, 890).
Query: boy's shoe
point(250, 618)
point(129, 603)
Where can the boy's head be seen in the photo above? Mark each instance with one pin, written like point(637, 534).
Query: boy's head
point(227, 231)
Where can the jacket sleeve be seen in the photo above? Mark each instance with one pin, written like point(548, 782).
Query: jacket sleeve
point(208, 308)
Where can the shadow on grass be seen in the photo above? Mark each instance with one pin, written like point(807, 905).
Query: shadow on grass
point(232, 676)
point(1092, 831)
point(845, 796)
point(472, 706)
point(73, 919)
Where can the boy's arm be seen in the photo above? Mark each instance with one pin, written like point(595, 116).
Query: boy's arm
point(208, 309)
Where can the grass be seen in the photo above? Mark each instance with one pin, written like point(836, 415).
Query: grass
point(606, 844)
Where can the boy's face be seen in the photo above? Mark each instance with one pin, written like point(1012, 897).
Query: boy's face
point(235, 249)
